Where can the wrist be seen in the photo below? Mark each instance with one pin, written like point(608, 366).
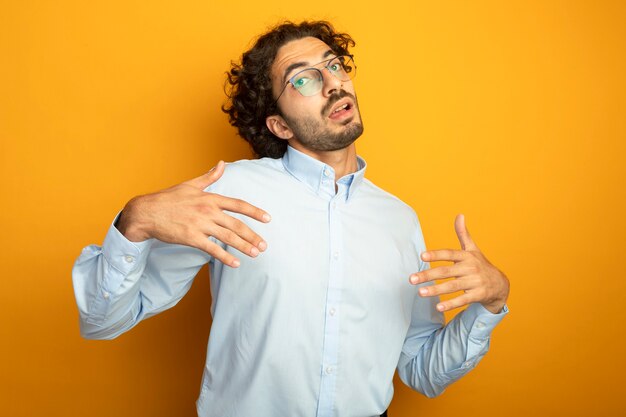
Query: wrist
point(129, 223)
point(495, 307)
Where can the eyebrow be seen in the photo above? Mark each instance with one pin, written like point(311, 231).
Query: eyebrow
point(295, 65)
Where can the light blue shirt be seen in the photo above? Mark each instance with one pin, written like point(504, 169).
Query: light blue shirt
point(314, 326)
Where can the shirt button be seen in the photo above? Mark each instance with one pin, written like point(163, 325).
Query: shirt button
point(480, 325)
point(106, 295)
point(129, 259)
point(467, 364)
point(329, 370)
point(334, 205)
point(332, 311)
point(327, 172)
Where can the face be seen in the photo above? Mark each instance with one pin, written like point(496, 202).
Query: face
point(326, 121)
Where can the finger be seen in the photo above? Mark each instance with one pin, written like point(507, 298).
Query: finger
point(216, 251)
point(451, 255)
point(441, 272)
point(447, 287)
point(456, 302)
point(204, 180)
point(232, 239)
point(463, 234)
point(242, 230)
point(243, 207)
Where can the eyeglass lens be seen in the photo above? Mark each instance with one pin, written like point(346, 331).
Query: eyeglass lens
point(310, 81)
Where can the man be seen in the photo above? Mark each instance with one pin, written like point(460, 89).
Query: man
point(312, 315)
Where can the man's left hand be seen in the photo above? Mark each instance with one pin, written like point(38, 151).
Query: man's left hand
point(480, 281)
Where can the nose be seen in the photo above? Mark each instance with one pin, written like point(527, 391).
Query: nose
point(332, 84)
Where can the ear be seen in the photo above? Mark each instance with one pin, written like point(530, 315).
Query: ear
point(278, 126)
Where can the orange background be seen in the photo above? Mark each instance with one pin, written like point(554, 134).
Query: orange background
point(510, 112)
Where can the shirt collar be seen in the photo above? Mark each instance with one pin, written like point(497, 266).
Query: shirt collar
point(319, 176)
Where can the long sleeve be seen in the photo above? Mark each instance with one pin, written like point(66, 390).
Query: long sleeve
point(121, 283)
point(433, 357)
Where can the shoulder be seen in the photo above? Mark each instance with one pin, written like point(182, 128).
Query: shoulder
point(247, 173)
point(386, 201)
point(249, 166)
point(398, 218)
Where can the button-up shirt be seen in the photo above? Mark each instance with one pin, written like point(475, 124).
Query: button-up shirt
point(314, 326)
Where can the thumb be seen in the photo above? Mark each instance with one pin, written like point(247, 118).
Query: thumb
point(463, 234)
point(204, 180)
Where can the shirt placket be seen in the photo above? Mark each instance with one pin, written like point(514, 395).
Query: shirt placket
point(330, 357)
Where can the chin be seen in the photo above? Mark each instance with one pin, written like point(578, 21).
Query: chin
point(346, 138)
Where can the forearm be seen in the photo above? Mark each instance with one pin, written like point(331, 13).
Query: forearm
point(107, 285)
point(123, 282)
point(449, 352)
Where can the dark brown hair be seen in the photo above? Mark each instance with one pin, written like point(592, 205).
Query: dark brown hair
point(249, 84)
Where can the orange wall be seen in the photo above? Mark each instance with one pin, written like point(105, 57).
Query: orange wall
point(512, 113)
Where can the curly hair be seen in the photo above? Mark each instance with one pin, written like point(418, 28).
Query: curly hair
point(249, 84)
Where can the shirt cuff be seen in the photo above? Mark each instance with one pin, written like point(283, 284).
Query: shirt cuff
point(480, 322)
point(122, 254)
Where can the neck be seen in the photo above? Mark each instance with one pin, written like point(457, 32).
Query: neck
point(343, 160)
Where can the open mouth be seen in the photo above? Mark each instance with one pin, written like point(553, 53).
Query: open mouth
point(341, 111)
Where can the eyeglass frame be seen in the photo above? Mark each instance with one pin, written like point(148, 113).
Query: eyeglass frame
point(329, 60)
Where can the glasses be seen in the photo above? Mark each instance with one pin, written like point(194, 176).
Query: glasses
point(310, 81)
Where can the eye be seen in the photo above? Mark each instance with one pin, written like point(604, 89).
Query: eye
point(301, 82)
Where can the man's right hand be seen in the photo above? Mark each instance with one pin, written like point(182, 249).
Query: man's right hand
point(185, 214)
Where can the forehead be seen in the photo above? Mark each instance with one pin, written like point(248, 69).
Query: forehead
point(307, 50)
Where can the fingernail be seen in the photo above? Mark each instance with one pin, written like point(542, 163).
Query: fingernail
point(235, 263)
point(425, 256)
point(441, 307)
point(254, 251)
point(262, 245)
point(414, 279)
point(423, 291)
point(267, 217)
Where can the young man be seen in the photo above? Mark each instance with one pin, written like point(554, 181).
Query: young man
point(312, 315)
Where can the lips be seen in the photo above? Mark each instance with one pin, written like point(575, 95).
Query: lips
point(341, 109)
